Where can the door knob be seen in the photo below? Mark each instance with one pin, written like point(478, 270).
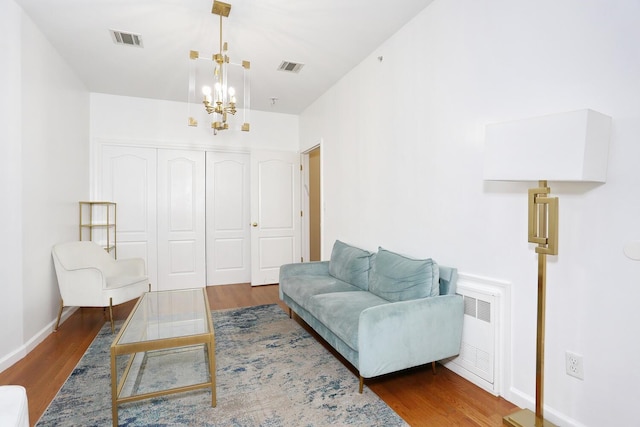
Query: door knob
point(255, 224)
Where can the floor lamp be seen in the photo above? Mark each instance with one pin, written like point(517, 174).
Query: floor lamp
point(570, 147)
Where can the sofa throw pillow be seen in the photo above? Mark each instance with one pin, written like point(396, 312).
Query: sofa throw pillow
point(398, 278)
point(350, 264)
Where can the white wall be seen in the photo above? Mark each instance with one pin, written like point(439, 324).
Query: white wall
point(402, 162)
point(140, 121)
point(47, 171)
point(55, 143)
point(10, 173)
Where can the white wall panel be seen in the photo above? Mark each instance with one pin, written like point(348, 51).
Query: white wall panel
point(403, 142)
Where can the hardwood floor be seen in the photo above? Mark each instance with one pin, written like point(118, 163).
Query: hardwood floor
point(418, 396)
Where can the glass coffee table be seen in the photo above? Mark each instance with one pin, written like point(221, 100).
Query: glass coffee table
point(165, 332)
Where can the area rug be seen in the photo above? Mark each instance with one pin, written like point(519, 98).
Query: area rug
point(270, 372)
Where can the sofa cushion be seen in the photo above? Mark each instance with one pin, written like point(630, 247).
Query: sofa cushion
point(350, 264)
point(397, 278)
point(301, 288)
point(340, 312)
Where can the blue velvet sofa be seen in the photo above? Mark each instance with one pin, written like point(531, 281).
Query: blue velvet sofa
point(382, 311)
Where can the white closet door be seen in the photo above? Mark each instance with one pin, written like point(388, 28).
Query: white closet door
point(181, 219)
point(275, 212)
point(228, 209)
point(129, 179)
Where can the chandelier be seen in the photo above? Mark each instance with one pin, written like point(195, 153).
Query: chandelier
point(222, 86)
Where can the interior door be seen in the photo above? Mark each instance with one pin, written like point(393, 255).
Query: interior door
point(129, 179)
point(228, 216)
point(181, 219)
point(275, 214)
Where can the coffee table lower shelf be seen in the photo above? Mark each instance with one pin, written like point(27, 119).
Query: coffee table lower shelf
point(174, 345)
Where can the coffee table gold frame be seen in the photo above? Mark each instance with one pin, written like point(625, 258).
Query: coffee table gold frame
point(206, 338)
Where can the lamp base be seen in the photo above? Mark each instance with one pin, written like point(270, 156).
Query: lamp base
point(525, 418)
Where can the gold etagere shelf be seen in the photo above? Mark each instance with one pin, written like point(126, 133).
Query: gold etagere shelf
point(98, 224)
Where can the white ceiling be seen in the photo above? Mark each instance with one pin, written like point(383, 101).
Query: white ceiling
point(329, 36)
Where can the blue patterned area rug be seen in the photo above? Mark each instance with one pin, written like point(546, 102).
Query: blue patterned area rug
point(270, 372)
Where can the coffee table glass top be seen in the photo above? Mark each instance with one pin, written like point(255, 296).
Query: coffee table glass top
point(165, 329)
point(165, 315)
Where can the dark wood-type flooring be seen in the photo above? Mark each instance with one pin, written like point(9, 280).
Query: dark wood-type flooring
point(421, 398)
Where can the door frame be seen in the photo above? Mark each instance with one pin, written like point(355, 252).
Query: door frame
point(304, 198)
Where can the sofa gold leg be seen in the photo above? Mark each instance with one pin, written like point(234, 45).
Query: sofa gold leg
point(433, 367)
point(111, 313)
point(361, 387)
point(59, 316)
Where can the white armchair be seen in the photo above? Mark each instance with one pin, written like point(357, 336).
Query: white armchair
point(14, 407)
point(89, 277)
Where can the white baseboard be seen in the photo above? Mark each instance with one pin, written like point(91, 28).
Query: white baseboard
point(523, 400)
point(23, 350)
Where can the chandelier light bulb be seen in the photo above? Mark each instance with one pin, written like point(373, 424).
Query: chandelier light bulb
point(206, 91)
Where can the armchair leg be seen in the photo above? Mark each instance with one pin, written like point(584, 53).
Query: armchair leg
point(433, 367)
point(361, 386)
point(59, 316)
point(111, 313)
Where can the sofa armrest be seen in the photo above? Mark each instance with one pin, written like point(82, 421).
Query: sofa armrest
point(314, 268)
point(404, 334)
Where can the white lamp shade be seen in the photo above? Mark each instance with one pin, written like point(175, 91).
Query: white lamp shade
point(571, 146)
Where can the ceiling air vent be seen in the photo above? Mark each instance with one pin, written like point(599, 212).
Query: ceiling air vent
point(291, 67)
point(129, 39)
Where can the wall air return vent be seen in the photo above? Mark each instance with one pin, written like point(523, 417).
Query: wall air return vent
point(124, 38)
point(290, 67)
point(483, 333)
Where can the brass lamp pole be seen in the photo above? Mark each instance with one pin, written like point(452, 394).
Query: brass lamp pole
point(542, 230)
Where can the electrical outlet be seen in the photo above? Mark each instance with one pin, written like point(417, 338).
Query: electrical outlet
point(574, 365)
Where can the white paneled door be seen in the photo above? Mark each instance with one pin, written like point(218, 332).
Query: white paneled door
point(204, 218)
point(275, 214)
point(228, 210)
point(181, 219)
point(128, 177)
